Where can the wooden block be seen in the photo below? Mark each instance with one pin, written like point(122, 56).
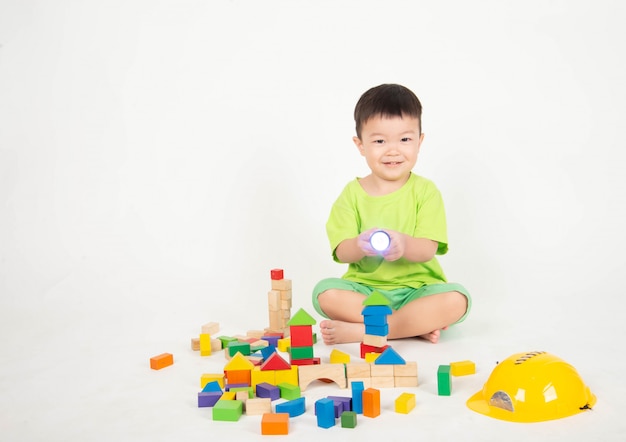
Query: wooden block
point(257, 406)
point(444, 384)
point(462, 368)
point(405, 403)
point(284, 344)
point(381, 370)
point(257, 334)
point(161, 361)
point(210, 328)
point(208, 377)
point(195, 344)
point(383, 382)
point(258, 376)
point(285, 295)
point(277, 274)
point(358, 370)
point(281, 284)
point(273, 300)
point(333, 372)
point(216, 345)
point(371, 402)
point(275, 423)
point(405, 381)
point(205, 344)
point(367, 382)
point(242, 396)
point(375, 341)
point(285, 304)
point(339, 357)
point(289, 376)
point(371, 357)
point(276, 319)
point(408, 369)
point(227, 410)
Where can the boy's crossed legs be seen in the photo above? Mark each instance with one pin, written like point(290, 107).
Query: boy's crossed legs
point(424, 315)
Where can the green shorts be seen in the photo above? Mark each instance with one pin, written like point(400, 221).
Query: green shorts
point(398, 297)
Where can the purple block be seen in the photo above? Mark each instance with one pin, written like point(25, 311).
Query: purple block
point(231, 386)
point(208, 398)
point(267, 391)
point(344, 400)
point(273, 340)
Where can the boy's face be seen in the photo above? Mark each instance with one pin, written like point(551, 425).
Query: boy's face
point(390, 146)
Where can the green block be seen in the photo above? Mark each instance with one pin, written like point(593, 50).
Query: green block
point(314, 338)
point(348, 419)
point(226, 340)
point(241, 347)
point(444, 386)
point(301, 352)
point(227, 410)
point(289, 391)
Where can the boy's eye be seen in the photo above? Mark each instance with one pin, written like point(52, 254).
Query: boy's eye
point(379, 141)
point(406, 139)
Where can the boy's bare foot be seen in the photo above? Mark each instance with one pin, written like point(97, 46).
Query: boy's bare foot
point(340, 332)
point(433, 336)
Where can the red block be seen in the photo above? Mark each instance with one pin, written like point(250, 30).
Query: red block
point(371, 349)
point(308, 361)
point(277, 274)
point(301, 335)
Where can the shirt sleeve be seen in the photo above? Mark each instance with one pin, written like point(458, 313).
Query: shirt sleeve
point(343, 222)
point(431, 219)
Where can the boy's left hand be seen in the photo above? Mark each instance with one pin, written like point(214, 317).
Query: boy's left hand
point(397, 246)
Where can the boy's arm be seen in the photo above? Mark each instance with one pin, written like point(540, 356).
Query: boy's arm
point(410, 248)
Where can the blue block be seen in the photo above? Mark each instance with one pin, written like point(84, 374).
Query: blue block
point(376, 310)
point(375, 320)
point(208, 398)
point(294, 408)
point(357, 396)
point(389, 357)
point(325, 413)
point(266, 352)
point(377, 330)
point(268, 391)
point(212, 386)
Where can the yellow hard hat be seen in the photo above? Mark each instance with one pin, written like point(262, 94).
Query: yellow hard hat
point(532, 387)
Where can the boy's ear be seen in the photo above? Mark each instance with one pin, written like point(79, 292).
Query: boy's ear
point(359, 144)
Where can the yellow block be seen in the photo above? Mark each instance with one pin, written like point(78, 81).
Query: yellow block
point(208, 377)
point(228, 396)
point(284, 344)
point(405, 403)
point(259, 376)
point(462, 368)
point(205, 344)
point(339, 357)
point(371, 357)
point(289, 376)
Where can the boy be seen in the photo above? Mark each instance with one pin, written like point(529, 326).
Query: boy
point(410, 210)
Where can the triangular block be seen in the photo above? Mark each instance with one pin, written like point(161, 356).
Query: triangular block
point(389, 357)
point(302, 318)
point(275, 362)
point(376, 298)
point(239, 362)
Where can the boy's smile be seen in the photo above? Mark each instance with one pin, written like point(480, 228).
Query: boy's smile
point(390, 146)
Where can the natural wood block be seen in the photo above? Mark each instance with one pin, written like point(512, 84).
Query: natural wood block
point(375, 341)
point(408, 369)
point(195, 344)
point(210, 328)
point(281, 284)
point(358, 370)
point(383, 382)
point(405, 381)
point(258, 405)
point(381, 370)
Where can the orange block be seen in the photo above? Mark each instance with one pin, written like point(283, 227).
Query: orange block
point(275, 423)
point(371, 402)
point(161, 361)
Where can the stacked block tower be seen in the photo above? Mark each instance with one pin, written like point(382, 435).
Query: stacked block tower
point(375, 315)
point(279, 302)
point(301, 333)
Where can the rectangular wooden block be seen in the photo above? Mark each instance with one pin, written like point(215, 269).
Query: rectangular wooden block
point(381, 370)
point(358, 370)
point(210, 328)
point(408, 369)
point(205, 344)
point(462, 368)
point(281, 284)
point(257, 406)
point(383, 382)
point(161, 361)
point(405, 381)
point(374, 340)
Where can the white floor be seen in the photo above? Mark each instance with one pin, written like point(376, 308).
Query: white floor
point(81, 373)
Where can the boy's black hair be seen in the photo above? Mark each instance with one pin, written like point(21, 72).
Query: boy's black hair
point(387, 100)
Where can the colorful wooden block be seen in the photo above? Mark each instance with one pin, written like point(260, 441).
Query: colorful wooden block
point(371, 402)
point(287, 376)
point(284, 344)
point(325, 413)
point(161, 361)
point(205, 344)
point(339, 357)
point(462, 368)
point(357, 396)
point(234, 347)
point(265, 390)
point(208, 377)
point(275, 362)
point(390, 357)
point(300, 352)
point(405, 403)
point(208, 398)
point(301, 335)
point(377, 330)
point(295, 407)
point(289, 391)
point(444, 386)
point(348, 419)
point(227, 410)
point(277, 274)
point(258, 376)
point(213, 386)
point(275, 424)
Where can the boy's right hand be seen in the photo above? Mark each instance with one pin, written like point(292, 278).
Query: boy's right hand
point(363, 242)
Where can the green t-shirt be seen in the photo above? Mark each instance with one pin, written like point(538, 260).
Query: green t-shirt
point(415, 209)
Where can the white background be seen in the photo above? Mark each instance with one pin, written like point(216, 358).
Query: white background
point(158, 158)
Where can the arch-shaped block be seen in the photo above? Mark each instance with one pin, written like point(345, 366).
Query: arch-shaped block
point(310, 373)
